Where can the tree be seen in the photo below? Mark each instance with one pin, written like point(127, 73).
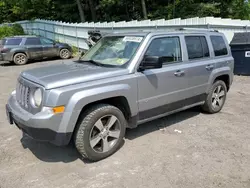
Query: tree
point(92, 9)
point(80, 9)
point(144, 9)
point(119, 10)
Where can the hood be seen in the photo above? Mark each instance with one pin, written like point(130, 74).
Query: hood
point(69, 73)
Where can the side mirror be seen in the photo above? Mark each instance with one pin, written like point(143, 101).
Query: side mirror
point(151, 62)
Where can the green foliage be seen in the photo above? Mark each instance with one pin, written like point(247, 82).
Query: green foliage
point(6, 31)
point(75, 51)
point(17, 29)
point(118, 10)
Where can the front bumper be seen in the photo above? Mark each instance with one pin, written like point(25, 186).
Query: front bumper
point(42, 126)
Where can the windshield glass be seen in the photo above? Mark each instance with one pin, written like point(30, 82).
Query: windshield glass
point(114, 50)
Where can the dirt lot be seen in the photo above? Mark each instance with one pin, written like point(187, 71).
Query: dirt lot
point(188, 149)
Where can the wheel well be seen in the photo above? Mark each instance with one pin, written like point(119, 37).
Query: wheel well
point(18, 53)
point(119, 102)
point(224, 78)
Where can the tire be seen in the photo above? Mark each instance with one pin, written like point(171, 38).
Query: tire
point(92, 126)
point(216, 97)
point(20, 59)
point(64, 53)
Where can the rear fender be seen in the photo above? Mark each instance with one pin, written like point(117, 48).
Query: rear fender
point(216, 73)
point(18, 50)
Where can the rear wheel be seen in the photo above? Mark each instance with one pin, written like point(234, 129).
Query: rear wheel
point(100, 132)
point(216, 97)
point(65, 53)
point(20, 59)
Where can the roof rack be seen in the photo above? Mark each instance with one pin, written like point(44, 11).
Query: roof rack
point(23, 36)
point(198, 29)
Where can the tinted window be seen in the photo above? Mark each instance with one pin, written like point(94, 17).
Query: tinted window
point(197, 47)
point(205, 47)
point(219, 45)
point(32, 41)
point(13, 41)
point(168, 48)
point(47, 41)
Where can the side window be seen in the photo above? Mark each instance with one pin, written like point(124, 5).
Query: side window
point(219, 45)
point(33, 41)
point(46, 41)
point(14, 41)
point(168, 48)
point(197, 47)
point(205, 47)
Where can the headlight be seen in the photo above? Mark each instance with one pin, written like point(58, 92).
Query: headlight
point(37, 97)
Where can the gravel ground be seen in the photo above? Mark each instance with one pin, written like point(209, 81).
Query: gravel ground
point(188, 149)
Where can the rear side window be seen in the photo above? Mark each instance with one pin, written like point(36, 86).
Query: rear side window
point(197, 47)
point(219, 45)
point(13, 41)
point(33, 41)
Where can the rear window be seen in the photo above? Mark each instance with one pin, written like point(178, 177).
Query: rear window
point(13, 41)
point(219, 45)
point(33, 41)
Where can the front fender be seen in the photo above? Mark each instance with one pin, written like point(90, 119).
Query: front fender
point(85, 97)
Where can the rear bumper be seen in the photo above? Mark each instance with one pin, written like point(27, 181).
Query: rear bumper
point(5, 57)
point(40, 126)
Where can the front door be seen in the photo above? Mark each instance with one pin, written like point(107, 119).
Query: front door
point(165, 89)
point(49, 48)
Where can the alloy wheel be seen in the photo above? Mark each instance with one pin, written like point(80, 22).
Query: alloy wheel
point(105, 133)
point(65, 53)
point(218, 97)
point(20, 59)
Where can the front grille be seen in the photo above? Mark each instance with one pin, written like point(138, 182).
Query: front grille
point(22, 95)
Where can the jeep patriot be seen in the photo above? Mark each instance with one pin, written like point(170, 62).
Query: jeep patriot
point(123, 81)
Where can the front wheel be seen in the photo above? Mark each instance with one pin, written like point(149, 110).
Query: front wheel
point(216, 97)
point(100, 132)
point(65, 53)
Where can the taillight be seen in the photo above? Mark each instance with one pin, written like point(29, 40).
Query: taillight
point(4, 50)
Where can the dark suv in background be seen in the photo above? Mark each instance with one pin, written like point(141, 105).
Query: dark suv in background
point(20, 49)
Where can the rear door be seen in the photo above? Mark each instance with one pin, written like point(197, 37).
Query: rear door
point(49, 47)
point(34, 47)
point(200, 66)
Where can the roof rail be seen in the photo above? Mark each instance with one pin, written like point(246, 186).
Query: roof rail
point(197, 29)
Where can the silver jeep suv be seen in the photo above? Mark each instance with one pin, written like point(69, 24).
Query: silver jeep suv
point(124, 80)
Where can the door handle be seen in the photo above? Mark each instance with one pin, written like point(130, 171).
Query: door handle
point(209, 67)
point(179, 73)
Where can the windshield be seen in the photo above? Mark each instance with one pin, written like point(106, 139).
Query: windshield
point(114, 50)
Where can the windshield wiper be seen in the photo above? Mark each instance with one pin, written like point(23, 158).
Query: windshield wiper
point(93, 62)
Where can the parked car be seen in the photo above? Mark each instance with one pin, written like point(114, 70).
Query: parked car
point(20, 49)
point(123, 81)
